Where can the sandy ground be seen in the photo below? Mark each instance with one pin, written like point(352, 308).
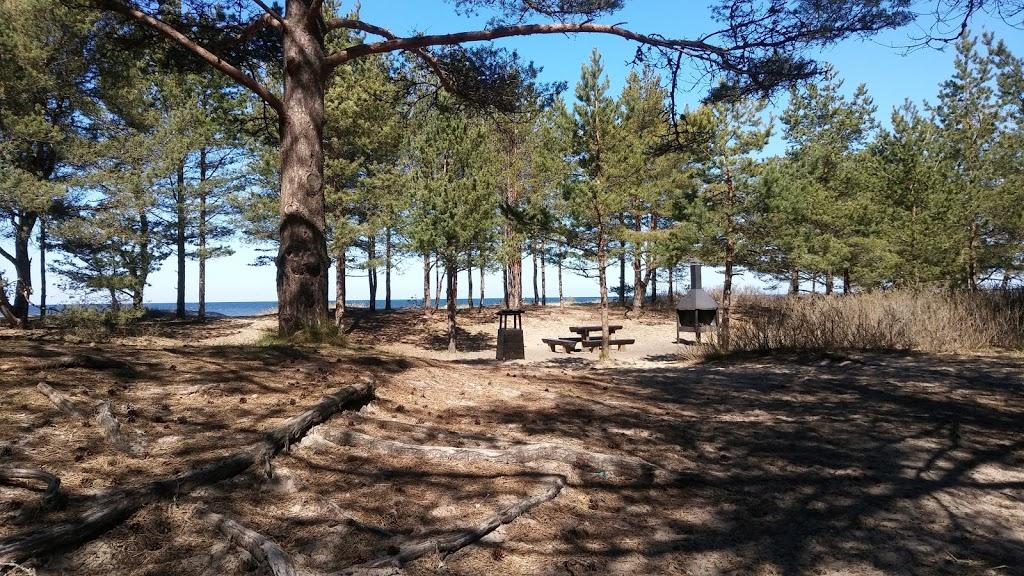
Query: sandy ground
point(413, 333)
point(844, 465)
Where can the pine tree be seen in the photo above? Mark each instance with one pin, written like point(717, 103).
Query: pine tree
point(44, 81)
point(595, 197)
point(726, 136)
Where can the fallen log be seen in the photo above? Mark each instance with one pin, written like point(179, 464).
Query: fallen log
point(59, 400)
point(265, 551)
point(20, 473)
point(587, 468)
point(108, 510)
point(448, 544)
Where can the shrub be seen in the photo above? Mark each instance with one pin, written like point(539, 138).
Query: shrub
point(893, 320)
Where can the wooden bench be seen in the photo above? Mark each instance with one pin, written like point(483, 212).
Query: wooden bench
point(596, 343)
point(569, 344)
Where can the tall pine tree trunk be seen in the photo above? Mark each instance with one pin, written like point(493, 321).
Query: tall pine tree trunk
point(302, 262)
point(653, 273)
point(533, 256)
point(452, 274)
point(846, 281)
point(42, 266)
point(794, 282)
point(483, 265)
point(730, 253)
point(438, 276)
point(141, 270)
point(388, 254)
point(371, 269)
point(829, 282)
point(426, 282)
point(561, 295)
point(543, 278)
point(340, 274)
point(622, 273)
point(602, 275)
point(179, 238)
point(202, 234)
point(639, 285)
point(469, 282)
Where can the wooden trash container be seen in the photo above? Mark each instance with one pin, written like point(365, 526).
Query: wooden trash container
point(510, 339)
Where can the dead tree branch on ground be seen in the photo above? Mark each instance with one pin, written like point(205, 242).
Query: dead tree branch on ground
point(108, 510)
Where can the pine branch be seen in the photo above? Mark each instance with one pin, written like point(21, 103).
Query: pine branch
point(191, 45)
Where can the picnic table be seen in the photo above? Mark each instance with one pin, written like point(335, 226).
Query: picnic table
point(584, 331)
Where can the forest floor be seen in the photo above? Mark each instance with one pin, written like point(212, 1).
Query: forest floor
point(858, 464)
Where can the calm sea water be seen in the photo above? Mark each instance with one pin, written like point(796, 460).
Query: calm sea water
point(268, 307)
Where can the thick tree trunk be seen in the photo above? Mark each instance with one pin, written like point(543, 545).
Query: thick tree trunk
point(339, 287)
point(846, 281)
point(794, 282)
point(42, 266)
point(483, 266)
point(514, 272)
point(302, 261)
point(179, 238)
point(654, 283)
point(202, 235)
point(23, 266)
point(543, 278)
point(452, 295)
point(829, 282)
point(426, 282)
point(371, 269)
point(388, 256)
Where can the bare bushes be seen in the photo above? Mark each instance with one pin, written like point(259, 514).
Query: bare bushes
point(894, 320)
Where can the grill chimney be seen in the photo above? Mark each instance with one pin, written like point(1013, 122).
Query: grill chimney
point(694, 276)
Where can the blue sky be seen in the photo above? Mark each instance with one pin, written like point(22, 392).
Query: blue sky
point(890, 74)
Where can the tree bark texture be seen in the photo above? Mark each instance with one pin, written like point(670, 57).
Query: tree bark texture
point(302, 261)
point(469, 283)
point(794, 282)
point(23, 266)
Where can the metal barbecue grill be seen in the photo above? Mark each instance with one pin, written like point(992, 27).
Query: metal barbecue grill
point(696, 311)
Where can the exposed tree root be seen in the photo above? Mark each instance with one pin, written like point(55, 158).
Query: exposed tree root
point(59, 400)
point(586, 467)
point(110, 509)
point(449, 544)
point(264, 550)
point(8, 473)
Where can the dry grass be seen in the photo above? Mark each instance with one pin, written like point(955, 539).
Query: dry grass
point(896, 320)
